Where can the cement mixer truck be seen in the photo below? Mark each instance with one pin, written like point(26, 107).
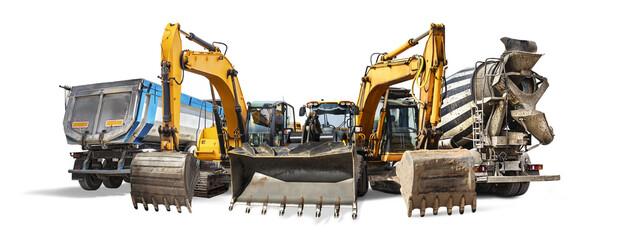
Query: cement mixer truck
point(491, 109)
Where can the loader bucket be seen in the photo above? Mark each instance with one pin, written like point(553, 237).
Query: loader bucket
point(310, 174)
point(437, 178)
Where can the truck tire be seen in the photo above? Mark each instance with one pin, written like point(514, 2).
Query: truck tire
point(525, 185)
point(90, 182)
point(113, 182)
point(507, 189)
point(484, 188)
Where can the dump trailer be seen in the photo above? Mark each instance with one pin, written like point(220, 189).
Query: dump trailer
point(114, 121)
point(491, 109)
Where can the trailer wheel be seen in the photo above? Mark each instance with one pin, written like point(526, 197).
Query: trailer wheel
point(90, 182)
point(113, 182)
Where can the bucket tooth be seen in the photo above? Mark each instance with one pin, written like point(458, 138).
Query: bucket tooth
point(153, 202)
point(474, 204)
point(264, 206)
point(166, 205)
point(177, 204)
point(248, 210)
point(190, 209)
point(319, 207)
point(436, 206)
point(232, 202)
point(301, 205)
point(450, 205)
point(282, 211)
point(423, 207)
point(410, 208)
point(354, 210)
point(462, 205)
point(134, 203)
point(144, 204)
point(336, 209)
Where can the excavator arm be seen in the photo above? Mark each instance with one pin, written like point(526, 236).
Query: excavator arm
point(427, 71)
point(211, 64)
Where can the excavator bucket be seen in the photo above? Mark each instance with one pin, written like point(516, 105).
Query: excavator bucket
point(437, 178)
point(312, 173)
point(166, 178)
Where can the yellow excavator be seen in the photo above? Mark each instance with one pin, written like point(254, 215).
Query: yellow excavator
point(168, 177)
point(427, 177)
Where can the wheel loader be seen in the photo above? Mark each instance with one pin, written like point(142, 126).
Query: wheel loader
point(317, 171)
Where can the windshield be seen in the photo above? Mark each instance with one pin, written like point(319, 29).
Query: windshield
point(403, 128)
point(258, 126)
point(332, 115)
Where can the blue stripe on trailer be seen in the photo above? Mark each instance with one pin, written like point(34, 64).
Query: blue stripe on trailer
point(156, 92)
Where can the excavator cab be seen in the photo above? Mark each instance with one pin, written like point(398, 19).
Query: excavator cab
point(401, 120)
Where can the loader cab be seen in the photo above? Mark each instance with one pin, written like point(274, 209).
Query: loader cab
point(335, 118)
point(270, 122)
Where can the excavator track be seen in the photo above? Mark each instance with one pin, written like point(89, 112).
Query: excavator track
point(163, 178)
point(212, 183)
point(437, 178)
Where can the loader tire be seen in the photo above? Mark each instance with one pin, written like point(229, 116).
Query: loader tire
point(362, 180)
point(90, 182)
point(113, 182)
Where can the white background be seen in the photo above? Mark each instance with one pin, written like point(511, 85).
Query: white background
point(301, 52)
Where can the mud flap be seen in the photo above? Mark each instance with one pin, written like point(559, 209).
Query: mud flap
point(309, 174)
point(437, 178)
point(166, 178)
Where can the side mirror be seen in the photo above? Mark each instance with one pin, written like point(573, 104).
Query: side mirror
point(355, 110)
point(302, 111)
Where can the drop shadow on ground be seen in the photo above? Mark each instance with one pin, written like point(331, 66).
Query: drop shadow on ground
point(377, 195)
point(78, 192)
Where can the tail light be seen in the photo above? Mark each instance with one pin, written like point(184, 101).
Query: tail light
point(534, 167)
point(75, 154)
point(481, 168)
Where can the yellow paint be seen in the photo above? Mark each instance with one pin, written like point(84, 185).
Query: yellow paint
point(208, 148)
